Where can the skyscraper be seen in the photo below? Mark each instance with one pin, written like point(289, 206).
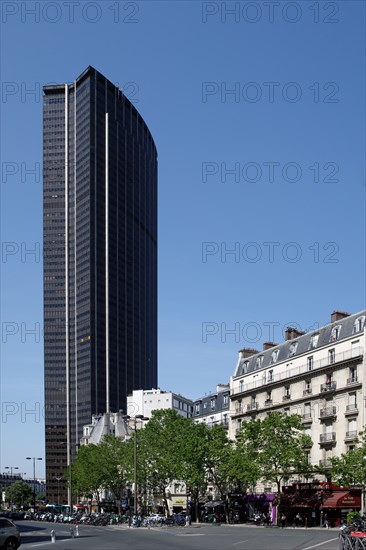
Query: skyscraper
point(100, 260)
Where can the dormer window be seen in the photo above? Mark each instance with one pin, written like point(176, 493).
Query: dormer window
point(258, 362)
point(244, 367)
point(359, 324)
point(335, 333)
point(292, 349)
point(274, 355)
point(314, 341)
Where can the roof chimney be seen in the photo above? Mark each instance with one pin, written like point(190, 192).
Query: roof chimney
point(338, 315)
point(268, 345)
point(248, 352)
point(291, 333)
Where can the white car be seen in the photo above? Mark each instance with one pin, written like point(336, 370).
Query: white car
point(9, 535)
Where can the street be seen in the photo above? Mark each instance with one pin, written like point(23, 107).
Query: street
point(210, 537)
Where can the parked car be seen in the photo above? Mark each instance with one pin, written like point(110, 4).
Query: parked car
point(9, 535)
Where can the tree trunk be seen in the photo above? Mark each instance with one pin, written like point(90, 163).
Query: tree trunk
point(166, 504)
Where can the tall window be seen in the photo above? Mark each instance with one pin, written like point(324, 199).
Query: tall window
point(270, 376)
point(352, 374)
point(307, 386)
point(359, 324)
point(314, 341)
point(258, 362)
point(292, 349)
point(244, 367)
point(274, 355)
point(331, 356)
point(335, 333)
point(310, 362)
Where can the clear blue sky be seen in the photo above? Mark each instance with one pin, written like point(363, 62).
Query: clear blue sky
point(293, 130)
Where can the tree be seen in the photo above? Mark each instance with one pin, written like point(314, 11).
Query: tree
point(350, 467)
point(219, 457)
point(161, 451)
point(19, 493)
point(87, 471)
point(116, 461)
point(277, 445)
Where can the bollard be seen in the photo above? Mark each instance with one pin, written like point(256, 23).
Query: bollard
point(77, 530)
point(53, 535)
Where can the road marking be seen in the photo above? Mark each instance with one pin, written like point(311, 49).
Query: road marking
point(320, 544)
point(240, 542)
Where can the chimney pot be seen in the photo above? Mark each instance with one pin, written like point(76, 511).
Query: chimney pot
point(248, 352)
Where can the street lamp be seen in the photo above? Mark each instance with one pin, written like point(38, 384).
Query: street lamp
point(34, 478)
point(138, 418)
point(11, 468)
point(58, 479)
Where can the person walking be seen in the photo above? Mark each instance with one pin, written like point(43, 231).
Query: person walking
point(283, 521)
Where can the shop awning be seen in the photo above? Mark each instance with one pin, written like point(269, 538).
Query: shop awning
point(343, 499)
point(300, 499)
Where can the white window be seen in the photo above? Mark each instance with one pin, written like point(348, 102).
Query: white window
point(314, 341)
point(310, 362)
point(258, 362)
point(359, 324)
point(287, 392)
point(241, 385)
point(307, 409)
point(274, 355)
point(352, 374)
point(352, 427)
point(197, 408)
point(270, 376)
point(335, 333)
point(213, 403)
point(355, 349)
point(244, 367)
point(226, 399)
point(331, 356)
point(292, 349)
point(308, 386)
point(352, 400)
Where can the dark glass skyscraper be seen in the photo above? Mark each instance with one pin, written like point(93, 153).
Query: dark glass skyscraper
point(100, 260)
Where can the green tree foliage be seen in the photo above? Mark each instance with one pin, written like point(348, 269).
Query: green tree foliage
point(277, 448)
point(19, 493)
point(350, 467)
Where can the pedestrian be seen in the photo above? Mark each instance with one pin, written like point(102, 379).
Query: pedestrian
point(283, 521)
point(325, 519)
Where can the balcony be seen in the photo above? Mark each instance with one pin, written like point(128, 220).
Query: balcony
point(302, 369)
point(325, 463)
point(326, 439)
point(350, 436)
point(328, 387)
point(252, 407)
point(308, 391)
point(328, 412)
point(351, 409)
point(268, 402)
point(286, 397)
point(352, 380)
point(308, 417)
point(238, 409)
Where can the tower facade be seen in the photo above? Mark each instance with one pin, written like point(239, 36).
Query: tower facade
point(100, 260)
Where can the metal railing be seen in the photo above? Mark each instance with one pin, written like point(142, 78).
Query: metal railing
point(352, 380)
point(351, 435)
point(328, 386)
point(352, 408)
point(301, 369)
point(328, 411)
point(328, 438)
point(252, 406)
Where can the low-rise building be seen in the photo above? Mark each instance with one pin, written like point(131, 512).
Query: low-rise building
point(213, 408)
point(146, 401)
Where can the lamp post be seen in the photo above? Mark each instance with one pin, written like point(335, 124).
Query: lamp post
point(58, 479)
point(138, 418)
point(11, 468)
point(34, 478)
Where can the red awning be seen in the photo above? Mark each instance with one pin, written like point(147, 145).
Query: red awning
point(343, 499)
